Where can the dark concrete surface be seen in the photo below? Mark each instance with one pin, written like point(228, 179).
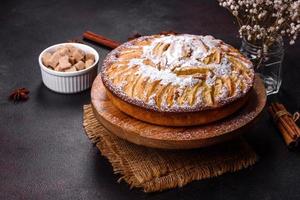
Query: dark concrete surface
point(44, 153)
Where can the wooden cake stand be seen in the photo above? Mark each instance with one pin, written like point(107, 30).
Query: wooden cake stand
point(163, 137)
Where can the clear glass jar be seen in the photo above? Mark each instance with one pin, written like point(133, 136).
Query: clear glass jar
point(268, 66)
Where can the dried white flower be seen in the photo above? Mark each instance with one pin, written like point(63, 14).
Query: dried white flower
point(280, 21)
point(265, 20)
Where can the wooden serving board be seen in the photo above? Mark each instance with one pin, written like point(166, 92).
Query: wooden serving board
point(163, 137)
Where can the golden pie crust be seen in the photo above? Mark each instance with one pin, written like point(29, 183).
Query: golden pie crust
point(177, 80)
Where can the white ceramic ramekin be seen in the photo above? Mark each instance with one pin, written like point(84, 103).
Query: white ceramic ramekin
point(69, 82)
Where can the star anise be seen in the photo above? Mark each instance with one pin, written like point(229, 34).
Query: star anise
point(20, 94)
point(134, 36)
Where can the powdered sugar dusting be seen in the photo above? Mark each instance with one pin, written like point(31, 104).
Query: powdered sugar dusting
point(183, 51)
point(181, 61)
point(165, 76)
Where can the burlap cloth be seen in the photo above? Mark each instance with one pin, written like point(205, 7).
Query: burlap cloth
point(156, 170)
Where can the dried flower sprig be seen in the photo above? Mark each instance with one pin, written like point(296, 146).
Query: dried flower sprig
point(261, 22)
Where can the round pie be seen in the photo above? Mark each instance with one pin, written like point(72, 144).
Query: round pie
point(177, 80)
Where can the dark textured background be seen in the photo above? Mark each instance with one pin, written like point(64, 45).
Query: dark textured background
point(44, 153)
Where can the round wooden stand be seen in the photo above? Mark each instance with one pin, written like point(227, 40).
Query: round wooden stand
point(163, 137)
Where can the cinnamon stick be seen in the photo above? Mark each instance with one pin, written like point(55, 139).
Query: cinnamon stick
point(289, 121)
point(290, 142)
point(285, 123)
point(99, 39)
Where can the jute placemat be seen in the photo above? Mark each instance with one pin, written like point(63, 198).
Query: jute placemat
point(156, 170)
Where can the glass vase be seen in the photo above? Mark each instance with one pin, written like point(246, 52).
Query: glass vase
point(267, 63)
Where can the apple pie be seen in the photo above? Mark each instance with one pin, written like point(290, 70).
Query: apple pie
point(177, 80)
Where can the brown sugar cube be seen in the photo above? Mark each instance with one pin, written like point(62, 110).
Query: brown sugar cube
point(58, 68)
point(72, 60)
point(89, 63)
point(53, 61)
point(63, 51)
point(80, 65)
point(64, 63)
point(61, 68)
point(71, 48)
point(89, 56)
point(72, 69)
point(46, 59)
point(78, 55)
